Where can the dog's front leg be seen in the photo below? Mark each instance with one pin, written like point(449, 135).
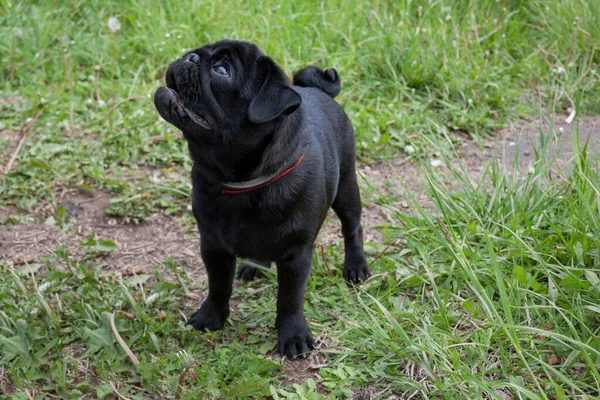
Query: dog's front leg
point(220, 267)
point(294, 338)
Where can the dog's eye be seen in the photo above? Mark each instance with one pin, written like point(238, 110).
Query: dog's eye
point(222, 70)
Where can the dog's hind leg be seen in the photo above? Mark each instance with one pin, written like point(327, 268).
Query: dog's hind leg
point(248, 272)
point(347, 207)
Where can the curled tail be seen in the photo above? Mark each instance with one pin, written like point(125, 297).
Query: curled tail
point(328, 80)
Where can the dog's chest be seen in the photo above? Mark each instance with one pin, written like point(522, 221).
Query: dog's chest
point(261, 232)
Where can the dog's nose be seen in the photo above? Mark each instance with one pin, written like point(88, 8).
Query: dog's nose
point(192, 57)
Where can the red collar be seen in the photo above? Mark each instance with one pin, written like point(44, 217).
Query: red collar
point(257, 183)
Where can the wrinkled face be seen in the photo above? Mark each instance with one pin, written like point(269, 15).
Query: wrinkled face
point(223, 91)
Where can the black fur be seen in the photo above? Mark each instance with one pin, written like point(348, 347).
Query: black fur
point(328, 80)
point(255, 123)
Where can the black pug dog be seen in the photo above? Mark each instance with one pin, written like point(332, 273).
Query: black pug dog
point(269, 160)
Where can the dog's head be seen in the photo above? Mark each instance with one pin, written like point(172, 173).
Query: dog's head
point(222, 92)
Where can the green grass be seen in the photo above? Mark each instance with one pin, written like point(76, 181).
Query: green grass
point(493, 293)
point(409, 70)
point(496, 292)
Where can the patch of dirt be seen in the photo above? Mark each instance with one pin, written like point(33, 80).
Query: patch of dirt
point(299, 371)
point(139, 245)
point(522, 140)
point(8, 211)
point(28, 243)
point(143, 244)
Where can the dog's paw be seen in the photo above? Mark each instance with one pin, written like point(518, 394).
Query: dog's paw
point(356, 272)
point(247, 272)
point(294, 338)
point(208, 317)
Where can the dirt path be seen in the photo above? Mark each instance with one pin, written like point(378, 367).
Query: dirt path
point(139, 245)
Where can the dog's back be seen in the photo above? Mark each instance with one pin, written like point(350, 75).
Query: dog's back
point(328, 81)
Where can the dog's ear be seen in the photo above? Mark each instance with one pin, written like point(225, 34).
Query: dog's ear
point(274, 97)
